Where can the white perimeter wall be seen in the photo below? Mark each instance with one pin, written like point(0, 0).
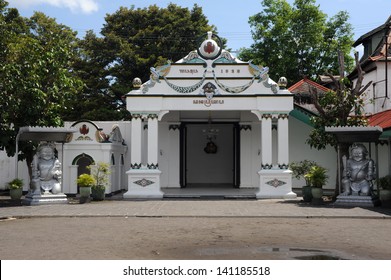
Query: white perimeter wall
point(169, 155)
point(299, 150)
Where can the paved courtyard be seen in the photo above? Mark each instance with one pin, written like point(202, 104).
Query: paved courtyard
point(194, 229)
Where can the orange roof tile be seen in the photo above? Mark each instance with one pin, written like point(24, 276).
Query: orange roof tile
point(303, 86)
point(382, 119)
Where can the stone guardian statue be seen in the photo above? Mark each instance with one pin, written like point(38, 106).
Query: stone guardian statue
point(358, 172)
point(46, 171)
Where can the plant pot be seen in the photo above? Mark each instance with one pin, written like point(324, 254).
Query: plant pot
point(317, 194)
point(85, 191)
point(385, 195)
point(306, 193)
point(16, 193)
point(98, 194)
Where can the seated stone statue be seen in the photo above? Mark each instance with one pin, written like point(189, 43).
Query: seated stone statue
point(46, 171)
point(358, 172)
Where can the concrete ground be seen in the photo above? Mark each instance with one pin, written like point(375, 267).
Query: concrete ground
point(193, 229)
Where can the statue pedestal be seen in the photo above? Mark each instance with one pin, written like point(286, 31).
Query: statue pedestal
point(40, 199)
point(357, 201)
point(143, 184)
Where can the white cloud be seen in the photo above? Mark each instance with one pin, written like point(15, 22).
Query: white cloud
point(83, 6)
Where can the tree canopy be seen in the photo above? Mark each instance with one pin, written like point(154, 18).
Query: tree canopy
point(300, 40)
point(341, 107)
point(48, 75)
point(132, 40)
point(36, 74)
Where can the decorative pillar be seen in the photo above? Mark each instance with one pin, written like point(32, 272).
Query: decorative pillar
point(246, 157)
point(275, 182)
point(283, 141)
point(144, 181)
point(173, 156)
point(136, 142)
point(152, 161)
point(266, 141)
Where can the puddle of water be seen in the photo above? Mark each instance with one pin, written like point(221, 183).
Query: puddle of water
point(290, 253)
point(319, 257)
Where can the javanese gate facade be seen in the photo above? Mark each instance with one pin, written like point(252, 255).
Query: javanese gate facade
point(209, 119)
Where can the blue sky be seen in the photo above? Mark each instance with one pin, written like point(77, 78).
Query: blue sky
point(230, 17)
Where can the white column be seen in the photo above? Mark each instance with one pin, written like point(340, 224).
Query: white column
point(152, 161)
point(266, 141)
point(283, 141)
point(275, 182)
point(173, 155)
point(144, 182)
point(136, 141)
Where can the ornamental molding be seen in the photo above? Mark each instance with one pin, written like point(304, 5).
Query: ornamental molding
point(193, 58)
point(174, 127)
point(237, 89)
point(152, 116)
point(135, 165)
point(245, 127)
point(275, 183)
point(283, 166)
point(258, 73)
point(267, 116)
point(143, 182)
point(187, 89)
point(136, 116)
point(209, 90)
point(152, 166)
point(283, 116)
point(267, 166)
point(209, 55)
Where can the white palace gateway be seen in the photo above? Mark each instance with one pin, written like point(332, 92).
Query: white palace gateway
point(209, 120)
point(206, 122)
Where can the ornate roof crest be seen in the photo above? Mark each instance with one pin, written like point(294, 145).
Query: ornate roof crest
point(210, 48)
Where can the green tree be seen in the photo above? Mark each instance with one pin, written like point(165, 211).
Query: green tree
point(299, 40)
point(36, 74)
point(96, 101)
point(342, 107)
point(132, 41)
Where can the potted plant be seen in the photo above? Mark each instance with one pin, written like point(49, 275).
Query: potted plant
point(299, 169)
point(317, 177)
point(100, 172)
point(384, 185)
point(85, 183)
point(16, 188)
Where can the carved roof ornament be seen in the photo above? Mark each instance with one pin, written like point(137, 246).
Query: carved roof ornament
point(210, 48)
point(209, 61)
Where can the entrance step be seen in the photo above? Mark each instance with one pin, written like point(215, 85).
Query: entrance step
point(212, 193)
point(209, 197)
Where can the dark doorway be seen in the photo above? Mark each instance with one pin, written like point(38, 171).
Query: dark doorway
point(82, 161)
point(210, 155)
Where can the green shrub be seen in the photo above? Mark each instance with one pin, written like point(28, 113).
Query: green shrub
point(100, 172)
point(15, 184)
point(86, 180)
